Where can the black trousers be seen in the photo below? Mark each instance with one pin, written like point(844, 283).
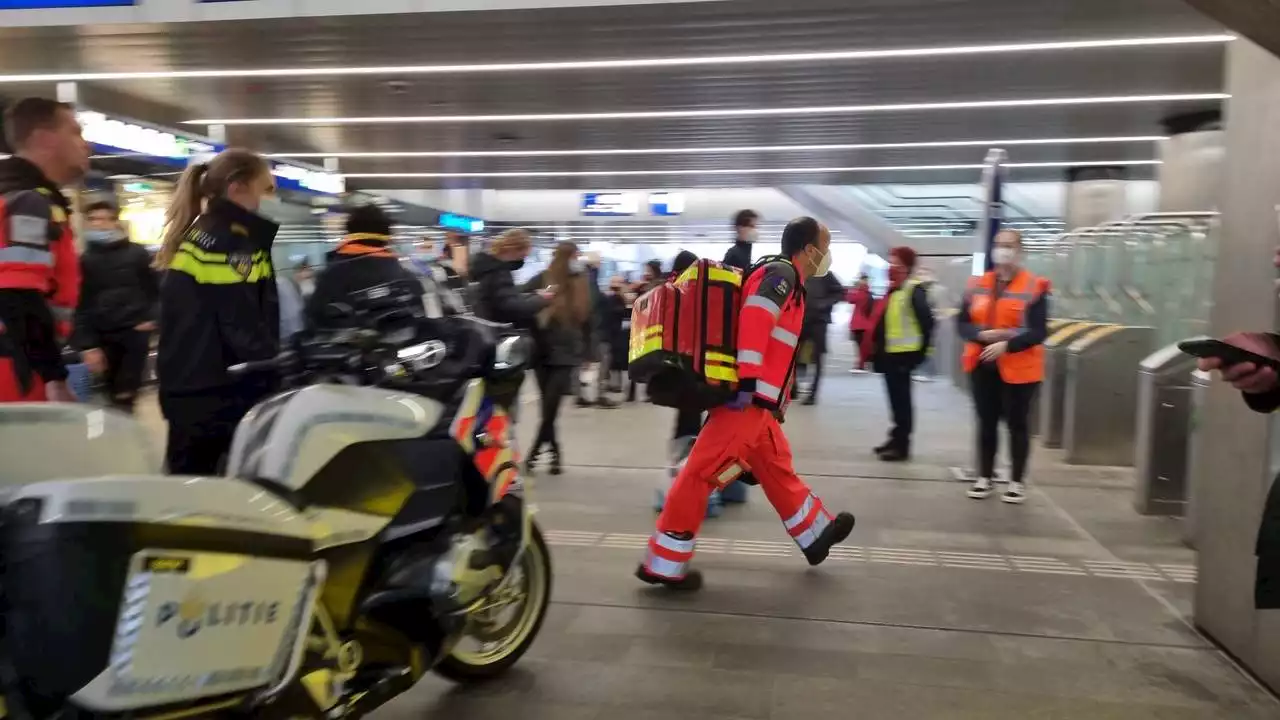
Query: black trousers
point(201, 427)
point(897, 384)
point(995, 399)
point(553, 385)
point(125, 353)
point(688, 423)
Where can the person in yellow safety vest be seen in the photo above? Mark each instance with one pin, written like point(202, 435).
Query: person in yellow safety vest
point(902, 327)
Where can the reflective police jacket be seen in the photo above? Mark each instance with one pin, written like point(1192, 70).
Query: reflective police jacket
point(1266, 589)
point(39, 272)
point(768, 332)
point(219, 304)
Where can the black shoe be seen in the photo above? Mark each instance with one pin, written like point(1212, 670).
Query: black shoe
point(531, 461)
point(834, 534)
point(584, 403)
point(691, 582)
point(554, 467)
point(606, 403)
point(882, 448)
point(894, 454)
point(811, 400)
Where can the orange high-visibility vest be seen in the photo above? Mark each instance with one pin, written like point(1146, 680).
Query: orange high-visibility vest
point(1010, 313)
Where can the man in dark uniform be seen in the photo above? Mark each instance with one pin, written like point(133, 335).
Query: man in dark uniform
point(744, 228)
point(363, 260)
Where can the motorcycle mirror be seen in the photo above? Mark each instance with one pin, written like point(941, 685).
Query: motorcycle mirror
point(511, 353)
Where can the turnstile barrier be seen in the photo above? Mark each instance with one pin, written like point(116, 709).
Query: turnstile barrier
point(1100, 420)
point(1053, 391)
point(1163, 432)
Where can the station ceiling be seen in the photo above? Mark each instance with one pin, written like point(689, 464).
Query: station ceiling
point(708, 151)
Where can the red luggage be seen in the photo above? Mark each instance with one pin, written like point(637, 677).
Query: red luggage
point(684, 338)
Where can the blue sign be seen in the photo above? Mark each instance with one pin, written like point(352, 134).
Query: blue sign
point(666, 204)
point(461, 223)
point(54, 4)
point(610, 204)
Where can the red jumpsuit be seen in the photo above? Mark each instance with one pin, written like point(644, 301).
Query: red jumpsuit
point(751, 439)
point(39, 281)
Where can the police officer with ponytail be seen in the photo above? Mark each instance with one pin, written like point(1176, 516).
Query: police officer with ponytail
point(219, 305)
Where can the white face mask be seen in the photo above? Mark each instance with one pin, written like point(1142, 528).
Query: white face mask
point(824, 265)
point(1004, 256)
point(749, 235)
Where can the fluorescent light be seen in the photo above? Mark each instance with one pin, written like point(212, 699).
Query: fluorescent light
point(720, 150)
point(743, 171)
point(632, 63)
point(716, 112)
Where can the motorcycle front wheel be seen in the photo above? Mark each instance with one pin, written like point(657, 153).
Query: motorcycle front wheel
point(500, 631)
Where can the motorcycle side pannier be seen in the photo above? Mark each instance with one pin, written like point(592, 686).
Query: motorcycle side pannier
point(684, 338)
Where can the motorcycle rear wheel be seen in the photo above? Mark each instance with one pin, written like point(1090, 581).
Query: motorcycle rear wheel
point(529, 594)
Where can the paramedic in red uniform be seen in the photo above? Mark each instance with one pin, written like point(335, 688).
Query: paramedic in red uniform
point(39, 271)
point(746, 434)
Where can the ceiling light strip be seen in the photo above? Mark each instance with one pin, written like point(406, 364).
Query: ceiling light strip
point(632, 63)
point(744, 171)
point(718, 112)
point(721, 150)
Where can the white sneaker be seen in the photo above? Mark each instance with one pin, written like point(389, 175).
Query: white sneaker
point(922, 378)
point(1015, 493)
point(857, 371)
point(981, 489)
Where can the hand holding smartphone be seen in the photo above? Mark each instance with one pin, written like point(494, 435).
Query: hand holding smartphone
point(1249, 361)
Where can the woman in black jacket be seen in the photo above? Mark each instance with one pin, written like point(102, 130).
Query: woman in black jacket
point(562, 336)
point(219, 306)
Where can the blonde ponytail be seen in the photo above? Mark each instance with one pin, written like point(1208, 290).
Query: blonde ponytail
point(182, 211)
point(200, 183)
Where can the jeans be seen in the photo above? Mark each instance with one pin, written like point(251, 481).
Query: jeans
point(995, 399)
point(553, 384)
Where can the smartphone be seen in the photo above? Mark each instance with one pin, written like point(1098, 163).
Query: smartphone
point(1228, 354)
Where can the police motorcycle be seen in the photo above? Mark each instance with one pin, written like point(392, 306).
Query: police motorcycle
point(354, 545)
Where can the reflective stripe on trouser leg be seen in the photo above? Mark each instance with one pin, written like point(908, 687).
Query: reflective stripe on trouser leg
point(807, 524)
point(668, 556)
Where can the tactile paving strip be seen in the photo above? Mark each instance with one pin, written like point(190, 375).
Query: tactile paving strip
point(899, 556)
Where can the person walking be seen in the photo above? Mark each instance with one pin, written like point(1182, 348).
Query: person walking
point(39, 272)
point(593, 376)
point(219, 306)
point(822, 294)
point(746, 432)
point(119, 296)
point(493, 296)
point(1003, 320)
point(860, 319)
point(564, 332)
point(902, 327)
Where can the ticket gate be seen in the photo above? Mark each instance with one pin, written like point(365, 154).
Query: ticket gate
point(1053, 391)
point(1099, 424)
point(1053, 326)
point(1164, 431)
point(1200, 383)
point(947, 345)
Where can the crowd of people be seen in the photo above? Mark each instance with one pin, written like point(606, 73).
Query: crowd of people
point(215, 299)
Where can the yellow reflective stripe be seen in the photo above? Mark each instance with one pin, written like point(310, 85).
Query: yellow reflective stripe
point(721, 372)
point(720, 357)
point(652, 330)
point(723, 275)
point(639, 350)
point(208, 273)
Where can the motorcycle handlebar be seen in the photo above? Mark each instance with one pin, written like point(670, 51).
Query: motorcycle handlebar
point(260, 366)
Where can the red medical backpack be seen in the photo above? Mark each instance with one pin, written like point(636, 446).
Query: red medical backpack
point(684, 338)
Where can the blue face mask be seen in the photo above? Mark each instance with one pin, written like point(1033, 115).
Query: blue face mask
point(101, 237)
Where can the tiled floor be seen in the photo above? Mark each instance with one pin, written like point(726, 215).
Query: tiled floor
point(1070, 606)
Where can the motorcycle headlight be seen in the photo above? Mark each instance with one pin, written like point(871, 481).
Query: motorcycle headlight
point(422, 356)
point(512, 353)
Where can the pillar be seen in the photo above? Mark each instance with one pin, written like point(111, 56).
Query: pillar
point(1094, 195)
point(1234, 463)
point(1191, 171)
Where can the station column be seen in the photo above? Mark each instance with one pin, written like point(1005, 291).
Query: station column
point(1235, 462)
point(1192, 156)
point(1094, 195)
